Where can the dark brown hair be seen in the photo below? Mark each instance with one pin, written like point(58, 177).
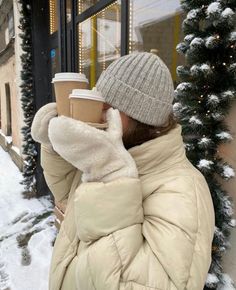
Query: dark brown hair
point(138, 133)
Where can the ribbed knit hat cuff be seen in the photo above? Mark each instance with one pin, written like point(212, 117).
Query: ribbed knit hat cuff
point(139, 105)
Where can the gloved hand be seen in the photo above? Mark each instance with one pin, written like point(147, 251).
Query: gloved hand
point(39, 128)
point(100, 155)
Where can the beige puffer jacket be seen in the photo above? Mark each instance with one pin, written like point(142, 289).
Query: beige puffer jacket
point(154, 232)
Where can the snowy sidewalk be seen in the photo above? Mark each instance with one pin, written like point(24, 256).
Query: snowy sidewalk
point(26, 233)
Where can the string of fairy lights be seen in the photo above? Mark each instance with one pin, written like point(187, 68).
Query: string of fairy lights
point(80, 9)
point(224, 63)
point(104, 44)
point(81, 47)
point(130, 26)
point(205, 96)
point(52, 15)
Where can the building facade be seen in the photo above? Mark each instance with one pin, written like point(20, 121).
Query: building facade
point(11, 116)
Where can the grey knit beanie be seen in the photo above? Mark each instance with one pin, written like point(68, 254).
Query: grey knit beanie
point(140, 85)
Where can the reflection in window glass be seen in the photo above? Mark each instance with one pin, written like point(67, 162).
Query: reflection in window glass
point(156, 26)
point(53, 16)
point(99, 41)
point(85, 4)
point(68, 11)
point(54, 56)
point(55, 66)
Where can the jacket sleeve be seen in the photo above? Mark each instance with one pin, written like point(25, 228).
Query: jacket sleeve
point(58, 173)
point(157, 233)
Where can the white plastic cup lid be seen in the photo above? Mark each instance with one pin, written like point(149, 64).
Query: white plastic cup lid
point(69, 76)
point(87, 94)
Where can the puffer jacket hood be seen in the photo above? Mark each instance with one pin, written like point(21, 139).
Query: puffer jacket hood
point(151, 232)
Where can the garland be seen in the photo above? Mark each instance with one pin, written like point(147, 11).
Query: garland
point(27, 100)
point(203, 99)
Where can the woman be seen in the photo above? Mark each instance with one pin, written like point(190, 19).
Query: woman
point(139, 214)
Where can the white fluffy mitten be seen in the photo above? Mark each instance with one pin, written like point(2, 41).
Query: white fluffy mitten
point(100, 155)
point(39, 128)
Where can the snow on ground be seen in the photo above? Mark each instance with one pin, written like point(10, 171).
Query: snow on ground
point(27, 233)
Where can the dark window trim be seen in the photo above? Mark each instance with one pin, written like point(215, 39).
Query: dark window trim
point(125, 4)
point(8, 109)
point(62, 35)
point(53, 40)
point(74, 62)
point(58, 38)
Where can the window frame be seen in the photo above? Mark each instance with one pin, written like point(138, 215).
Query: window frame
point(69, 56)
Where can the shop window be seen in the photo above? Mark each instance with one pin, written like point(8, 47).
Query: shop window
point(99, 41)
point(53, 16)
point(8, 109)
point(156, 26)
point(85, 4)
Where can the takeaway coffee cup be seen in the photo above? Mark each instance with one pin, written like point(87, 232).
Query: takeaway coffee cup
point(86, 105)
point(64, 83)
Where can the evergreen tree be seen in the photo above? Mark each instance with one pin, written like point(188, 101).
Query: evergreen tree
point(27, 100)
point(203, 99)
